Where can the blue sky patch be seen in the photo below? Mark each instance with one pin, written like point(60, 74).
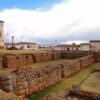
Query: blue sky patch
point(27, 4)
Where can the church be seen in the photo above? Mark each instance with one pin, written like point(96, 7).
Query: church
point(1, 34)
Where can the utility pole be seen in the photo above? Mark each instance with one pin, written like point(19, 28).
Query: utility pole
point(12, 41)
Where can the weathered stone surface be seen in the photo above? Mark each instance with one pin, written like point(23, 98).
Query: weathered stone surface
point(26, 81)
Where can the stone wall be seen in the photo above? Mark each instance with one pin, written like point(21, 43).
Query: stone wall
point(13, 61)
point(73, 93)
point(75, 54)
point(26, 81)
point(97, 56)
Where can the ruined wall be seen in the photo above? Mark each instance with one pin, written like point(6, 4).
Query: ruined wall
point(73, 93)
point(97, 56)
point(26, 81)
point(75, 54)
point(13, 61)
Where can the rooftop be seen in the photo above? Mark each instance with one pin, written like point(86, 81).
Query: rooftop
point(1, 21)
point(85, 44)
point(68, 46)
point(21, 43)
point(95, 41)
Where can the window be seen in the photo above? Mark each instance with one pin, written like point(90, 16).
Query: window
point(28, 46)
point(76, 48)
point(68, 49)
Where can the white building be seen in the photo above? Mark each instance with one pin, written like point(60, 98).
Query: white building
point(22, 46)
point(84, 46)
point(66, 47)
point(95, 45)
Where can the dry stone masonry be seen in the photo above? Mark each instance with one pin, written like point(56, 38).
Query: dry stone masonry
point(25, 81)
point(13, 61)
point(73, 94)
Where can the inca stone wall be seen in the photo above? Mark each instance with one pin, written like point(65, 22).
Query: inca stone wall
point(73, 93)
point(26, 81)
point(97, 56)
point(13, 61)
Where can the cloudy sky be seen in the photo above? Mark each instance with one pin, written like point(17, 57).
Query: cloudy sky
point(51, 21)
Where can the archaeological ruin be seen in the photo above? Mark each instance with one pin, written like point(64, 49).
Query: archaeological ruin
point(25, 81)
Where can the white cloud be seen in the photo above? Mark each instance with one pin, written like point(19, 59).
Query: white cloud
point(66, 21)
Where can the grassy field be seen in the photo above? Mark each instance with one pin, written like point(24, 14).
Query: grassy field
point(18, 52)
point(77, 78)
point(48, 63)
point(92, 83)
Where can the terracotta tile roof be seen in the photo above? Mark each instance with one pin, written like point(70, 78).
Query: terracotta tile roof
point(68, 46)
point(95, 41)
point(1, 21)
point(27, 43)
point(21, 43)
point(85, 44)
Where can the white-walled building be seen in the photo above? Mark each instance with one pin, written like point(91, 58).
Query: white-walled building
point(84, 46)
point(22, 46)
point(95, 45)
point(66, 47)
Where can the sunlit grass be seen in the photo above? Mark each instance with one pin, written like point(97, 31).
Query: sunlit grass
point(48, 63)
point(92, 83)
point(19, 52)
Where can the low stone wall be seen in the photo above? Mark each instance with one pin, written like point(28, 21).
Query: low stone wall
point(13, 61)
point(56, 55)
point(73, 93)
point(75, 54)
point(84, 94)
point(26, 81)
point(97, 56)
point(42, 57)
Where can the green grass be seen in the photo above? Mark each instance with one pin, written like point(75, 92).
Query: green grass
point(76, 78)
point(92, 83)
point(48, 63)
point(19, 52)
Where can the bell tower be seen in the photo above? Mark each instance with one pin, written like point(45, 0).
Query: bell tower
point(1, 35)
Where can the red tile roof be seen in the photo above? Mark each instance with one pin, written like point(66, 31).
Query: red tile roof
point(85, 44)
point(95, 41)
point(1, 21)
point(21, 43)
point(68, 46)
